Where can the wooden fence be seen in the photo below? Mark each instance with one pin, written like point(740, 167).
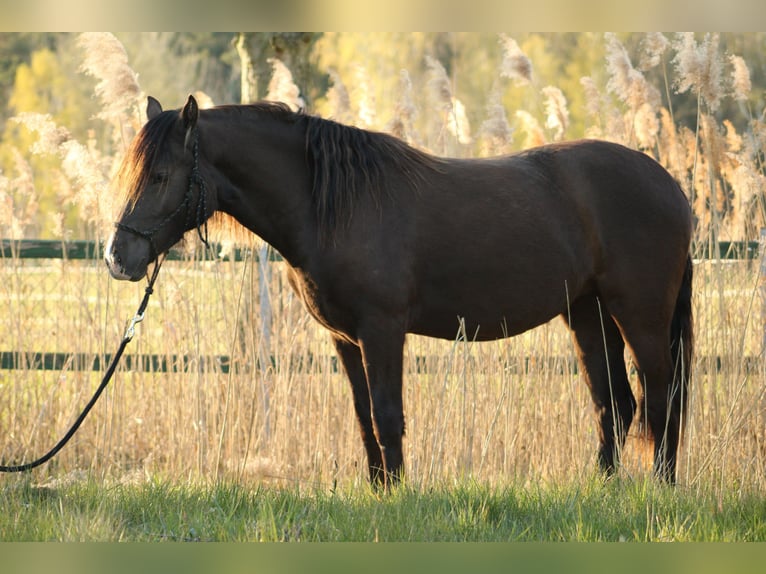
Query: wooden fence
point(90, 250)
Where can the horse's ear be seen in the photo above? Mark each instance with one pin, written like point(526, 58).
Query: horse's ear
point(190, 113)
point(153, 107)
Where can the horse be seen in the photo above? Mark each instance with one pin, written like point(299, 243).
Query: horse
point(381, 239)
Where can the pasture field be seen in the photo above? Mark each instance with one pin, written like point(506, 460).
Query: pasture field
point(78, 509)
point(281, 411)
point(500, 438)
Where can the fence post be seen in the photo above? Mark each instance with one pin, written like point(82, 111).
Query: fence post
point(264, 297)
point(249, 94)
point(762, 282)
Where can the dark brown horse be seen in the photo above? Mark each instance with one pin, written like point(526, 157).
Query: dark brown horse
point(382, 240)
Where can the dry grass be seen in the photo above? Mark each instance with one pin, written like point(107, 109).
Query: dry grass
point(507, 410)
point(499, 411)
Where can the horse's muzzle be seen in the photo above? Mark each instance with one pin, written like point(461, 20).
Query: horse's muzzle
point(117, 267)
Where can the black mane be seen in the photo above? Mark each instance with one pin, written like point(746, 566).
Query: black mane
point(345, 161)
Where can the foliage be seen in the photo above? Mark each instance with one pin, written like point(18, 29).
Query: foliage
point(689, 100)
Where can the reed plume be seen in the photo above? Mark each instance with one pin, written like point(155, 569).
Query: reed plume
point(453, 114)
point(338, 98)
point(50, 136)
point(18, 199)
point(626, 82)
point(495, 132)
point(458, 124)
point(106, 60)
point(646, 126)
point(535, 136)
point(699, 68)
point(439, 84)
point(83, 166)
point(515, 66)
point(593, 100)
point(740, 78)
point(654, 45)
point(364, 95)
point(557, 114)
point(402, 125)
point(282, 88)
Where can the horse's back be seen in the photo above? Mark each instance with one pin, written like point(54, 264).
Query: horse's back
point(507, 243)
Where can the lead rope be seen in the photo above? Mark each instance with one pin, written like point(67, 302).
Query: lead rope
point(129, 334)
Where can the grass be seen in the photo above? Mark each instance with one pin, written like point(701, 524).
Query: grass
point(156, 510)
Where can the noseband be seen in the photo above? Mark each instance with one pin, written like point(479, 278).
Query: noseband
point(195, 178)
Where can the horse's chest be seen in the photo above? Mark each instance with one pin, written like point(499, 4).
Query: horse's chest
point(320, 305)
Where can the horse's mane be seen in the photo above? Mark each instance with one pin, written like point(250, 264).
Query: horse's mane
point(345, 162)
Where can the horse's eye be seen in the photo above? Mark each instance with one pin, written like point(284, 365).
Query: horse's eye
point(158, 178)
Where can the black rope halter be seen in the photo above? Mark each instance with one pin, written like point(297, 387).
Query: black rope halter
point(196, 216)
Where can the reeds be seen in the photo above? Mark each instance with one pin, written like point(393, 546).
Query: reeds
point(281, 411)
point(104, 58)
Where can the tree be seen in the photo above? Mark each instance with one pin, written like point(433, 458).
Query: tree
point(47, 84)
point(296, 50)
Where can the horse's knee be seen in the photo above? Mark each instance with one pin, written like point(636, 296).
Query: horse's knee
point(389, 433)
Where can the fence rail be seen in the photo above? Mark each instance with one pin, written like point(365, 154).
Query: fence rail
point(92, 250)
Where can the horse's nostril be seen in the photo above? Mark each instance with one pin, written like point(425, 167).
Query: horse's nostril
point(112, 259)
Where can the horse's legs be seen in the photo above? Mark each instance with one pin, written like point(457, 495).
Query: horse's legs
point(600, 351)
point(382, 350)
point(654, 364)
point(351, 357)
point(646, 330)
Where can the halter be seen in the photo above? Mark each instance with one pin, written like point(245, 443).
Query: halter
point(195, 178)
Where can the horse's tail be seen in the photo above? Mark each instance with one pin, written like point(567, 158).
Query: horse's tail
point(682, 346)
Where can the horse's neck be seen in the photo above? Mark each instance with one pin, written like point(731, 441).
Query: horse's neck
point(267, 184)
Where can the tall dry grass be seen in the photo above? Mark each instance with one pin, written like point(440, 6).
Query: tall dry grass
point(513, 409)
point(509, 410)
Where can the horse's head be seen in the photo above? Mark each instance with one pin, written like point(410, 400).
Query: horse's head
point(166, 193)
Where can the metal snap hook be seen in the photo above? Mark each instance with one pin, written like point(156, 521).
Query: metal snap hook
point(131, 330)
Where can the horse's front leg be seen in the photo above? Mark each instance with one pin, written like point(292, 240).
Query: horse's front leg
point(351, 358)
point(382, 349)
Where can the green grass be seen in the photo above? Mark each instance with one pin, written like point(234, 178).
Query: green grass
point(158, 510)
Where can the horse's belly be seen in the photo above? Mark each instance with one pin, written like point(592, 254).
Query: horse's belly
point(483, 322)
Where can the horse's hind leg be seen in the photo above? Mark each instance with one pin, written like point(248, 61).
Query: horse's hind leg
point(600, 351)
point(645, 326)
point(651, 351)
point(351, 357)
